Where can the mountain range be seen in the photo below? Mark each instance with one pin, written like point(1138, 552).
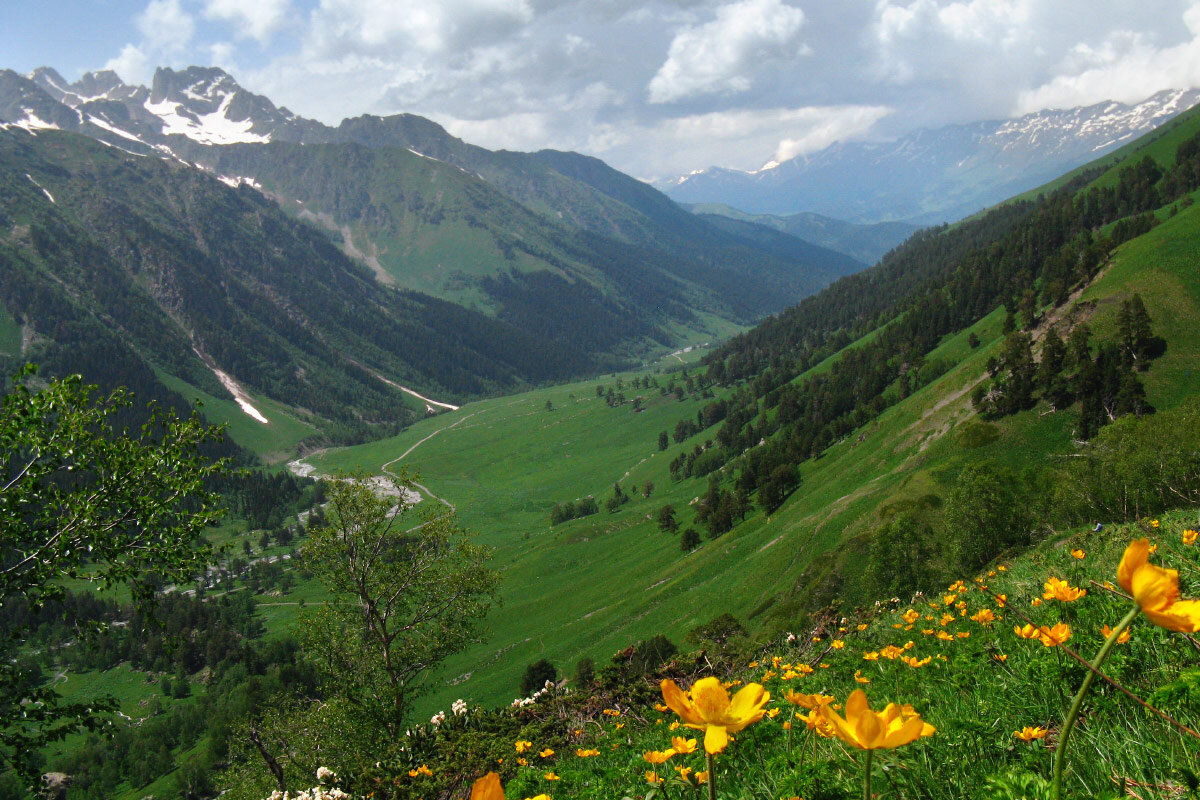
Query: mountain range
point(933, 175)
point(193, 231)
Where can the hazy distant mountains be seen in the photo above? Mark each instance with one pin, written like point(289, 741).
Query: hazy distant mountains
point(932, 176)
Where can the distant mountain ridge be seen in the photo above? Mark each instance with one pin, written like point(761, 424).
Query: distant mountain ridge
point(933, 175)
point(201, 116)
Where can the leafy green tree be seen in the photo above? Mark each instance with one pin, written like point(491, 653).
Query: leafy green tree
point(405, 597)
point(663, 440)
point(666, 519)
point(689, 540)
point(85, 498)
point(986, 513)
point(536, 675)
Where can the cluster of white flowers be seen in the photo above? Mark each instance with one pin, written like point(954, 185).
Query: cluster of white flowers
point(791, 638)
point(315, 793)
point(521, 702)
point(459, 707)
point(438, 718)
point(324, 774)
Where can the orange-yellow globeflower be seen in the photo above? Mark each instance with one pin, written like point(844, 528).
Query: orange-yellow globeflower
point(1028, 734)
point(1156, 590)
point(709, 708)
point(865, 729)
point(488, 788)
point(871, 730)
point(1057, 589)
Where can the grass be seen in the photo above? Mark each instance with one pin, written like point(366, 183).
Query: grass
point(505, 462)
point(979, 686)
point(273, 442)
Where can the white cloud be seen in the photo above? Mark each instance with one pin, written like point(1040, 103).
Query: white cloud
point(1126, 67)
point(165, 26)
point(131, 64)
point(719, 55)
point(257, 19)
point(429, 26)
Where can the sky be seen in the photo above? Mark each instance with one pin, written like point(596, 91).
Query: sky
point(657, 88)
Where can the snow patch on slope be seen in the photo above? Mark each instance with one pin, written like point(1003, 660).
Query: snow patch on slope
point(43, 188)
point(214, 128)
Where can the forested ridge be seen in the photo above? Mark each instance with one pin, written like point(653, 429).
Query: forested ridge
point(1026, 256)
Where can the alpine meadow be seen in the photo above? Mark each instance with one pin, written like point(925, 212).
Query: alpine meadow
point(733, 399)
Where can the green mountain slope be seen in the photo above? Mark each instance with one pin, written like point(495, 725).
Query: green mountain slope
point(114, 263)
point(900, 456)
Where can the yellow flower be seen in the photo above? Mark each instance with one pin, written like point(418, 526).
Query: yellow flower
point(682, 745)
point(1052, 637)
point(1027, 631)
point(891, 652)
point(1001, 657)
point(660, 707)
point(945, 637)
point(1076, 554)
point(872, 656)
point(1153, 523)
point(488, 788)
point(524, 762)
point(683, 771)
point(858, 677)
point(1001, 600)
point(1189, 537)
point(1035, 602)
point(702, 777)
point(837, 644)
point(985, 617)
point(550, 776)
point(1107, 632)
point(710, 709)
point(915, 662)
point(585, 753)
point(1056, 589)
point(963, 634)
point(808, 700)
point(546, 753)
point(862, 626)
point(773, 713)
point(1028, 734)
point(873, 730)
point(522, 745)
point(911, 616)
point(1156, 590)
point(421, 770)
point(652, 777)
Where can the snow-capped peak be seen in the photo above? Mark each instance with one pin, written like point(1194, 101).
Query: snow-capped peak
point(212, 128)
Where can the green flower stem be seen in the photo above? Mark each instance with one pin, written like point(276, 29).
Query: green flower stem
point(1060, 753)
point(712, 775)
point(867, 775)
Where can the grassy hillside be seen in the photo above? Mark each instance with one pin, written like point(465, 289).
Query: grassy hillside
point(505, 462)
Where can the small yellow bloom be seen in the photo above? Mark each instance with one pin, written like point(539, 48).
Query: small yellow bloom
point(1189, 537)
point(1153, 523)
point(1107, 632)
point(1056, 589)
point(683, 771)
point(550, 776)
point(1002, 568)
point(837, 644)
point(585, 753)
point(709, 708)
point(945, 637)
point(1001, 657)
point(1078, 554)
point(865, 729)
point(1001, 600)
point(1035, 602)
point(862, 627)
point(661, 707)
point(524, 762)
point(522, 745)
point(1028, 734)
point(858, 677)
point(816, 639)
point(682, 745)
point(915, 662)
point(984, 617)
point(673, 726)
point(963, 634)
point(871, 656)
point(546, 753)
point(911, 616)
point(658, 756)
point(1156, 590)
point(808, 700)
point(1027, 631)
point(773, 713)
point(787, 726)
point(702, 777)
point(652, 777)
point(1056, 635)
